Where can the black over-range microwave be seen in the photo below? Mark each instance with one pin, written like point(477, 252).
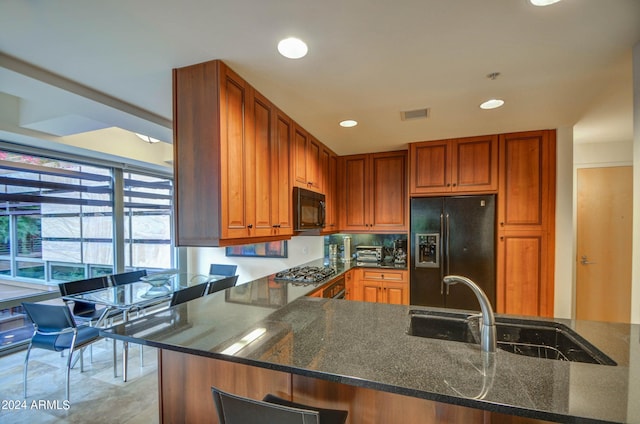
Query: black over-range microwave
point(309, 210)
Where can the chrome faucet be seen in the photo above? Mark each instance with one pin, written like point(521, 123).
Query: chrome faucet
point(488, 327)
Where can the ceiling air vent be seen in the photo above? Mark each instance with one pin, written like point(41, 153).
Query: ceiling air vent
point(409, 115)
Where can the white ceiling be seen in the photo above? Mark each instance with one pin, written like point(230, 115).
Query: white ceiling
point(563, 65)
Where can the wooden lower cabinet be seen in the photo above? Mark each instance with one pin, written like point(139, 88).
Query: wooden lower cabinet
point(382, 286)
point(185, 395)
point(522, 267)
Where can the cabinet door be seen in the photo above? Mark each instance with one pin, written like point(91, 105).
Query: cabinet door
point(354, 210)
point(475, 164)
point(235, 105)
point(299, 153)
point(430, 167)
point(314, 176)
point(372, 291)
point(281, 176)
point(331, 192)
point(388, 191)
point(396, 293)
point(522, 268)
point(521, 204)
point(258, 162)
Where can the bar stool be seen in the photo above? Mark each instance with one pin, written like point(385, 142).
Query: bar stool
point(234, 409)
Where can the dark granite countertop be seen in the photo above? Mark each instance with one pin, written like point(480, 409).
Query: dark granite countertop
point(366, 345)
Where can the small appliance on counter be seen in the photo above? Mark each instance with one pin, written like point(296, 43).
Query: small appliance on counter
point(369, 255)
point(400, 252)
point(333, 253)
point(347, 249)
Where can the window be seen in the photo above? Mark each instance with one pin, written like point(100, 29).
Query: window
point(59, 217)
point(58, 222)
point(147, 221)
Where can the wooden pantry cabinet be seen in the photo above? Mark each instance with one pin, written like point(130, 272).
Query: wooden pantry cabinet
point(373, 195)
point(231, 160)
point(464, 165)
point(526, 223)
point(381, 286)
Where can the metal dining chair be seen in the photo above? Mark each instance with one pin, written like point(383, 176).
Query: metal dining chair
point(190, 293)
point(223, 269)
point(234, 409)
point(56, 330)
point(225, 283)
point(84, 311)
point(127, 277)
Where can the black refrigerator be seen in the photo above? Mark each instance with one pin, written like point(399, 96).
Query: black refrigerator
point(452, 235)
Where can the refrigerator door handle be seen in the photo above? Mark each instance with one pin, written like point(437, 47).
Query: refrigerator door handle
point(446, 248)
point(441, 248)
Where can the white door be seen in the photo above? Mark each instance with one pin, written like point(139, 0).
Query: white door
point(604, 240)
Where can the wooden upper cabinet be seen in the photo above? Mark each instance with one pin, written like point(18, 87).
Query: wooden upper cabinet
point(465, 165)
point(281, 200)
point(528, 177)
point(225, 146)
point(234, 101)
point(307, 160)
point(374, 192)
point(354, 213)
point(299, 154)
point(329, 173)
point(259, 161)
point(314, 166)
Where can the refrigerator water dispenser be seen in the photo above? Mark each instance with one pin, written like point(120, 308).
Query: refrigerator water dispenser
point(428, 246)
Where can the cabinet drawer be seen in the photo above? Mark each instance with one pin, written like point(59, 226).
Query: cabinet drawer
point(384, 275)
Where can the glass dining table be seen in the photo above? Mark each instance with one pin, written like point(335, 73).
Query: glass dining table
point(122, 300)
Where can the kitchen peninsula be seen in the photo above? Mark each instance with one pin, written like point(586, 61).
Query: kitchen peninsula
point(269, 337)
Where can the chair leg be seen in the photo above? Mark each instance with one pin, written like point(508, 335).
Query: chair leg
point(66, 392)
point(26, 363)
point(115, 360)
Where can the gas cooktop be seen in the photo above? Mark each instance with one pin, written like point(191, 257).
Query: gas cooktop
point(305, 274)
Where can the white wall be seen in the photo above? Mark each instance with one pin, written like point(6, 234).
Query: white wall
point(565, 240)
point(300, 250)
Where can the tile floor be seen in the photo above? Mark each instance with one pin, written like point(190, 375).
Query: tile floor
point(96, 396)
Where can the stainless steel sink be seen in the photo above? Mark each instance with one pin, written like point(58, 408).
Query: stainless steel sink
point(537, 338)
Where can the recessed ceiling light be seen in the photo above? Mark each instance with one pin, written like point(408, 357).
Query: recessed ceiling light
point(543, 2)
point(292, 48)
point(348, 123)
point(492, 104)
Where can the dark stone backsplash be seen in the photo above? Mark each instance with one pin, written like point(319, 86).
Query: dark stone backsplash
point(385, 240)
